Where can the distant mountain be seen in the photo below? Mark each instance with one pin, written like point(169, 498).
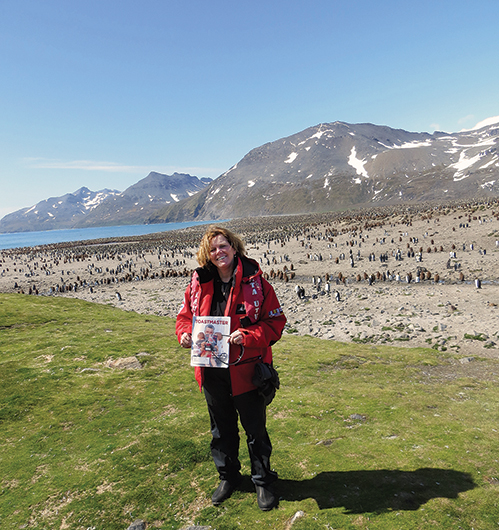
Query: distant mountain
point(334, 166)
point(331, 166)
point(85, 208)
point(56, 212)
point(142, 200)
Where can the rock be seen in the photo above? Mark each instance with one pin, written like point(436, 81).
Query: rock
point(466, 360)
point(298, 515)
point(125, 363)
point(137, 525)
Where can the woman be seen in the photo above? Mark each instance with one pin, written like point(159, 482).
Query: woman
point(228, 283)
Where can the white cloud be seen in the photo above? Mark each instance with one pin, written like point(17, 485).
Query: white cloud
point(114, 167)
point(86, 165)
point(484, 123)
point(466, 119)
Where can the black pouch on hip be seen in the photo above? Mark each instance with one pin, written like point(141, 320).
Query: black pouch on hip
point(266, 379)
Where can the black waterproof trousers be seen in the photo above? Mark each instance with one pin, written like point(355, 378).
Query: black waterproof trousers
point(224, 410)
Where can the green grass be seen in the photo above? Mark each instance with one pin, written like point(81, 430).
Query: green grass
point(480, 337)
point(364, 436)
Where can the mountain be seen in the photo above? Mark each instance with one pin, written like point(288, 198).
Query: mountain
point(331, 166)
point(141, 200)
point(339, 165)
point(56, 212)
point(85, 208)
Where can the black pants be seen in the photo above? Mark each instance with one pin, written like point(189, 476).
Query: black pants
point(224, 410)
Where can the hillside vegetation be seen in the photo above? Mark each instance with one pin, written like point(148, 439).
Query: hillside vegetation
point(364, 436)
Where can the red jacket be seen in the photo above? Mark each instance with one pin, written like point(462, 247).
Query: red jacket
point(258, 336)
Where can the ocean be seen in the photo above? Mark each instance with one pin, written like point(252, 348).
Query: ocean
point(32, 239)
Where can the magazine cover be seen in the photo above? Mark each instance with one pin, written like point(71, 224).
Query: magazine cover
point(210, 345)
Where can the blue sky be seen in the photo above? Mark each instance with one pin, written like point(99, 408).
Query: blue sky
point(98, 93)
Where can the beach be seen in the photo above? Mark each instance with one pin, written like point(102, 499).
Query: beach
point(418, 276)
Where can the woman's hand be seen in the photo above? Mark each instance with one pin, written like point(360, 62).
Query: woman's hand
point(186, 340)
point(236, 337)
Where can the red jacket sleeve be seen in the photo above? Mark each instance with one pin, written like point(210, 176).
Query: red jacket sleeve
point(184, 316)
point(268, 329)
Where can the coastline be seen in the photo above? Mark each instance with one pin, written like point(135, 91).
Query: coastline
point(418, 278)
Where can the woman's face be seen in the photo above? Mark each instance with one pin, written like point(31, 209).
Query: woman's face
point(222, 255)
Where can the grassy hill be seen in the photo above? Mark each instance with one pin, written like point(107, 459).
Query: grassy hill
point(364, 437)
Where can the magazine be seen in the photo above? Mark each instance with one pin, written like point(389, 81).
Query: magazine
point(210, 346)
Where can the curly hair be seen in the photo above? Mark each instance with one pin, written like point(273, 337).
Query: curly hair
point(203, 254)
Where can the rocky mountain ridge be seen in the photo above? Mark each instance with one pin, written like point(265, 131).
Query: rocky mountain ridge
point(328, 167)
point(141, 200)
point(56, 212)
point(335, 166)
point(85, 208)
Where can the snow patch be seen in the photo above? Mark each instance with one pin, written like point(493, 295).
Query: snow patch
point(489, 164)
point(488, 184)
point(174, 197)
point(413, 145)
point(463, 164)
point(98, 199)
point(357, 164)
point(317, 135)
point(229, 170)
point(251, 183)
point(291, 158)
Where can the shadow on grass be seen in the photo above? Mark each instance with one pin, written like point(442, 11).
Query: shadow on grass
point(376, 491)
